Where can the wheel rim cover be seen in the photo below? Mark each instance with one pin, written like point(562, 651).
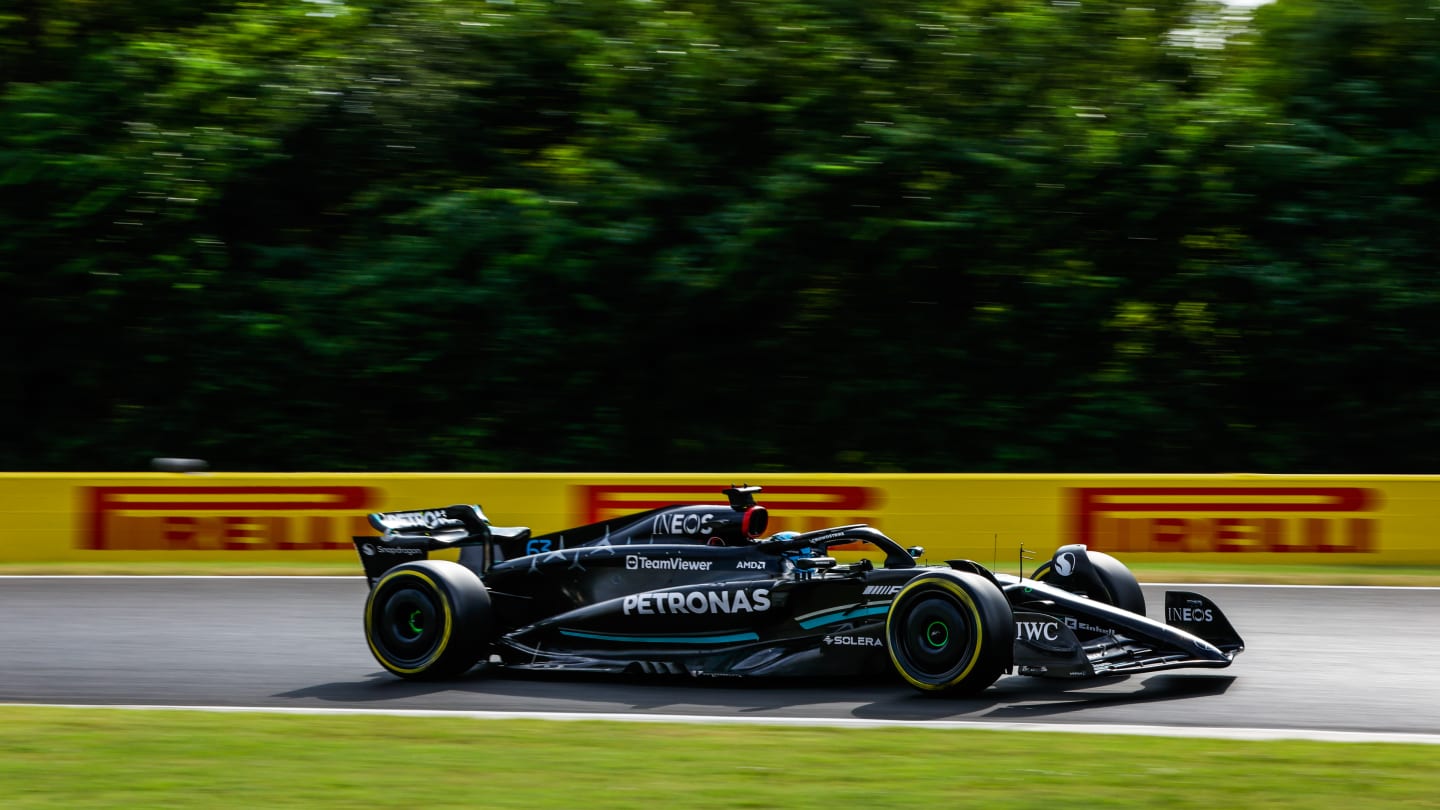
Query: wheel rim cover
point(936, 637)
point(408, 627)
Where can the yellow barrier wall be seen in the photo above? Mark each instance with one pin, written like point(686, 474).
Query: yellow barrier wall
point(1301, 519)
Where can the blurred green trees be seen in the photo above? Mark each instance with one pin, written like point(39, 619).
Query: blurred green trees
point(736, 235)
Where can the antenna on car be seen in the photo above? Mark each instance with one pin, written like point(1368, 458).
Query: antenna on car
point(1024, 555)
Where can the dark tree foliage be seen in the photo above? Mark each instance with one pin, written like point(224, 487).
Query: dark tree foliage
point(739, 235)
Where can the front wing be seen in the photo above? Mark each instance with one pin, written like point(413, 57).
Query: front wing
point(1063, 635)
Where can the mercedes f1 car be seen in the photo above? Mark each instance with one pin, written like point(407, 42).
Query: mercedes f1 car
point(700, 590)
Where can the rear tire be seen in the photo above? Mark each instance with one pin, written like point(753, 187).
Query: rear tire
point(428, 620)
point(950, 632)
point(1121, 588)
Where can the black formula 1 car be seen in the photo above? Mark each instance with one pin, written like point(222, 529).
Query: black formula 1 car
point(700, 591)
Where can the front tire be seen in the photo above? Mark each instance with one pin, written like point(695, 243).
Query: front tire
point(428, 620)
point(950, 632)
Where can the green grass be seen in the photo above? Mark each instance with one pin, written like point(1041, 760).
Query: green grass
point(67, 758)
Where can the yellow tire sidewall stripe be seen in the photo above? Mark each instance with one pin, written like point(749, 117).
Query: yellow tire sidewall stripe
point(445, 629)
point(953, 587)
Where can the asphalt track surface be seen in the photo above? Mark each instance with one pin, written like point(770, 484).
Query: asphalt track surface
point(1318, 660)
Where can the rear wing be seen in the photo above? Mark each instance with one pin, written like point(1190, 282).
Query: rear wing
point(467, 519)
point(411, 535)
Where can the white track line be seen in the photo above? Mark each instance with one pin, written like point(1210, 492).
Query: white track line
point(1201, 732)
point(1188, 585)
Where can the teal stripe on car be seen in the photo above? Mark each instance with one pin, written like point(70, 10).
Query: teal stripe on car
point(844, 614)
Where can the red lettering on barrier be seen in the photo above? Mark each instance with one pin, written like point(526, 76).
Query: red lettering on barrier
point(797, 508)
point(235, 518)
point(1327, 520)
point(179, 532)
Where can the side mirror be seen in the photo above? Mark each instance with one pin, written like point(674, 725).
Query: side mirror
point(814, 563)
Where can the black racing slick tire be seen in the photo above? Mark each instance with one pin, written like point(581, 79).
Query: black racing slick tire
point(950, 632)
point(428, 620)
point(1120, 588)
